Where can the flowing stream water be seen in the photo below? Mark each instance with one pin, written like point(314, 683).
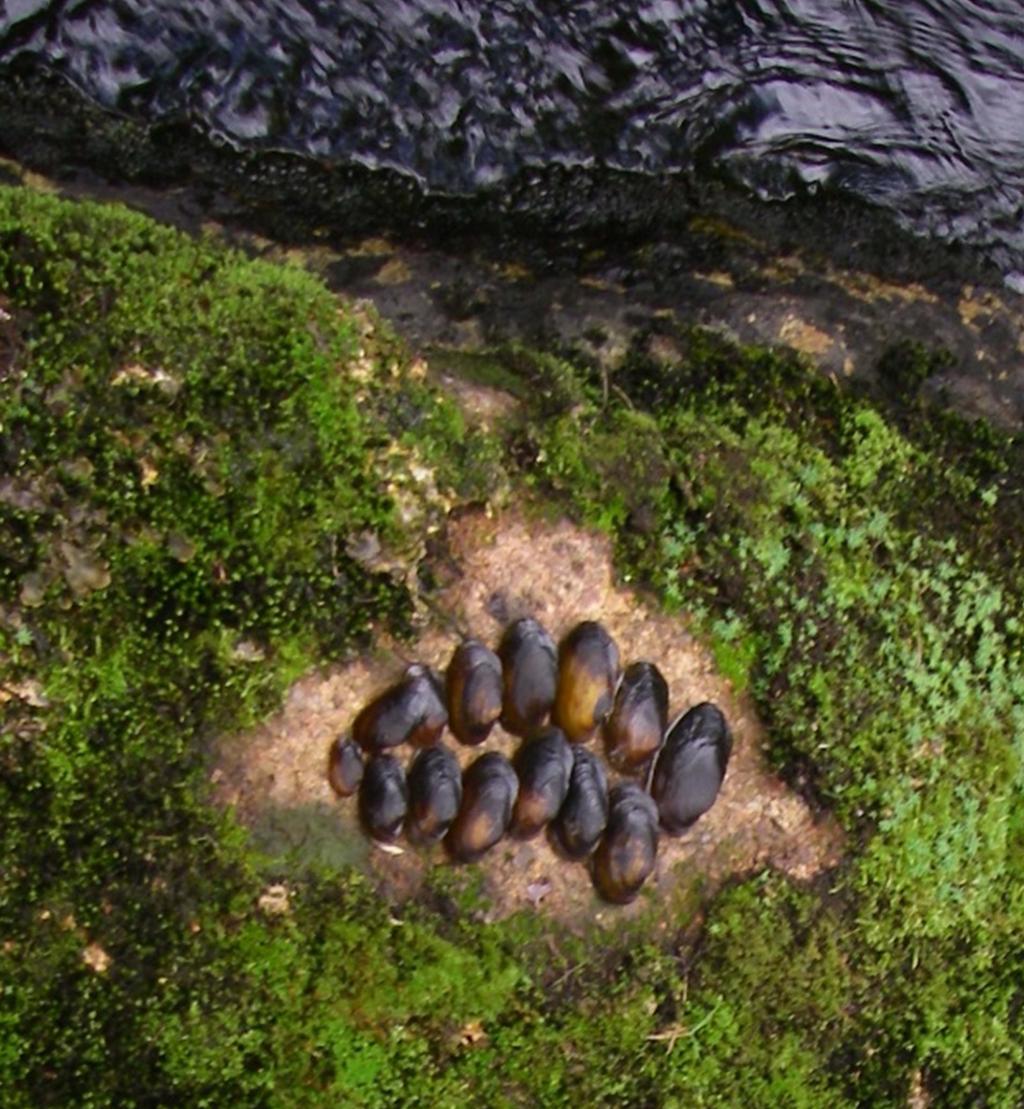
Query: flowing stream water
point(913, 105)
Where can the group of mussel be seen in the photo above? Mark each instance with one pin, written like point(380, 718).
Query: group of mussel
point(554, 779)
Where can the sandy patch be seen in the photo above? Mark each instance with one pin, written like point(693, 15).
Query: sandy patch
point(804, 336)
point(506, 567)
point(484, 405)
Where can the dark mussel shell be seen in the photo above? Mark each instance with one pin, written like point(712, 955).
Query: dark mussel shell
point(584, 813)
point(410, 711)
point(435, 793)
point(383, 798)
point(636, 727)
point(543, 765)
point(691, 767)
point(628, 849)
point(588, 669)
point(473, 687)
point(344, 766)
point(489, 788)
point(529, 667)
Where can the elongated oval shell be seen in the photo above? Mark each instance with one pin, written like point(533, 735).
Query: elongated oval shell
point(583, 817)
point(634, 731)
point(383, 798)
point(529, 666)
point(628, 849)
point(435, 793)
point(691, 767)
point(489, 788)
point(410, 711)
point(344, 766)
point(588, 670)
point(473, 690)
point(543, 765)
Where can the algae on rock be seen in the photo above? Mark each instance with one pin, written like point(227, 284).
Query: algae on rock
point(243, 475)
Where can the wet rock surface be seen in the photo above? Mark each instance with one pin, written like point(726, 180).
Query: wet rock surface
point(600, 265)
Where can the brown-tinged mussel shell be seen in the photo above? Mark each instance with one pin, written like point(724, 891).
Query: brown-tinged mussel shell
point(584, 814)
point(543, 765)
point(628, 849)
point(588, 669)
point(691, 767)
point(344, 766)
point(383, 798)
point(634, 731)
point(529, 667)
point(473, 689)
point(489, 788)
point(435, 793)
point(410, 711)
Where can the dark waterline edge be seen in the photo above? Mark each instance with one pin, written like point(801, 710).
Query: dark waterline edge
point(603, 259)
point(560, 212)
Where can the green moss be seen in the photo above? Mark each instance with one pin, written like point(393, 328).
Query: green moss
point(189, 453)
point(547, 382)
point(846, 561)
point(772, 1012)
point(906, 366)
point(212, 479)
point(787, 519)
point(734, 650)
point(611, 463)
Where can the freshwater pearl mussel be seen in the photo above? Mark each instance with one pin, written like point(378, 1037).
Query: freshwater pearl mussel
point(543, 766)
point(556, 699)
point(691, 767)
point(588, 672)
point(412, 711)
point(473, 691)
point(636, 727)
point(435, 794)
point(529, 667)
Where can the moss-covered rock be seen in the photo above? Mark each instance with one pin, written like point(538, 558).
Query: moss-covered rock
point(213, 477)
point(854, 562)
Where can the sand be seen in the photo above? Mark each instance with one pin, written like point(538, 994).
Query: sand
point(503, 567)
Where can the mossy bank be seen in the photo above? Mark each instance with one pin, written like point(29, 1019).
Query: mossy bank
point(214, 478)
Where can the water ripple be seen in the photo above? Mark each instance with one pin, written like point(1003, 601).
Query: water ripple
point(917, 105)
